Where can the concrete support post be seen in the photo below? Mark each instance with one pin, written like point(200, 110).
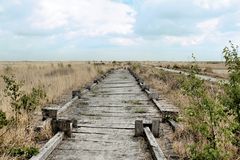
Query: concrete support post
point(76, 93)
point(74, 123)
point(88, 87)
point(140, 80)
point(144, 87)
point(49, 113)
point(64, 125)
point(155, 128)
point(138, 128)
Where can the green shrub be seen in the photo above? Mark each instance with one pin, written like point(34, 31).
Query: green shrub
point(231, 97)
point(12, 90)
point(23, 152)
point(30, 101)
point(205, 117)
point(19, 100)
point(3, 119)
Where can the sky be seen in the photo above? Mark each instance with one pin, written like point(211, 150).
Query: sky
point(117, 29)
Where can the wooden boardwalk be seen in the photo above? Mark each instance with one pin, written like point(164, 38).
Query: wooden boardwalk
point(106, 117)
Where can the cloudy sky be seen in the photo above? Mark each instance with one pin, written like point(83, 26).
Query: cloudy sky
point(117, 29)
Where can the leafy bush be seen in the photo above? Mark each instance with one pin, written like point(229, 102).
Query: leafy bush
point(21, 101)
point(12, 90)
point(23, 152)
point(30, 101)
point(3, 119)
point(205, 117)
point(231, 98)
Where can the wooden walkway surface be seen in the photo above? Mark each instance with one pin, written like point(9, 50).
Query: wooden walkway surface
point(106, 117)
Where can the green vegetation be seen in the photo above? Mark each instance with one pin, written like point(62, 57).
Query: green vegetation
point(231, 96)
point(12, 90)
point(23, 152)
point(209, 112)
point(204, 117)
point(140, 110)
point(213, 116)
point(3, 119)
point(135, 102)
point(21, 101)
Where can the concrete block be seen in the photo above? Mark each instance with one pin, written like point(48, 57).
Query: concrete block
point(140, 80)
point(88, 86)
point(64, 125)
point(74, 123)
point(136, 77)
point(155, 128)
point(145, 87)
point(138, 128)
point(44, 125)
point(49, 113)
point(76, 93)
point(97, 80)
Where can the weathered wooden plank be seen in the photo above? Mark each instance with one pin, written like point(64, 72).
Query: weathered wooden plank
point(65, 107)
point(157, 153)
point(137, 115)
point(47, 149)
point(166, 109)
point(105, 121)
point(94, 145)
point(121, 82)
point(97, 155)
point(175, 126)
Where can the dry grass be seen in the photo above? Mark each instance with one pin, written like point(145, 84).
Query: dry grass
point(57, 78)
point(168, 85)
point(211, 68)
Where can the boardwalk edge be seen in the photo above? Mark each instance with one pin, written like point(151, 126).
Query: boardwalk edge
point(47, 149)
point(155, 149)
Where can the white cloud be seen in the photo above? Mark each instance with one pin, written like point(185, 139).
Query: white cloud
point(214, 4)
point(85, 17)
point(185, 40)
point(209, 25)
point(208, 29)
point(123, 41)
